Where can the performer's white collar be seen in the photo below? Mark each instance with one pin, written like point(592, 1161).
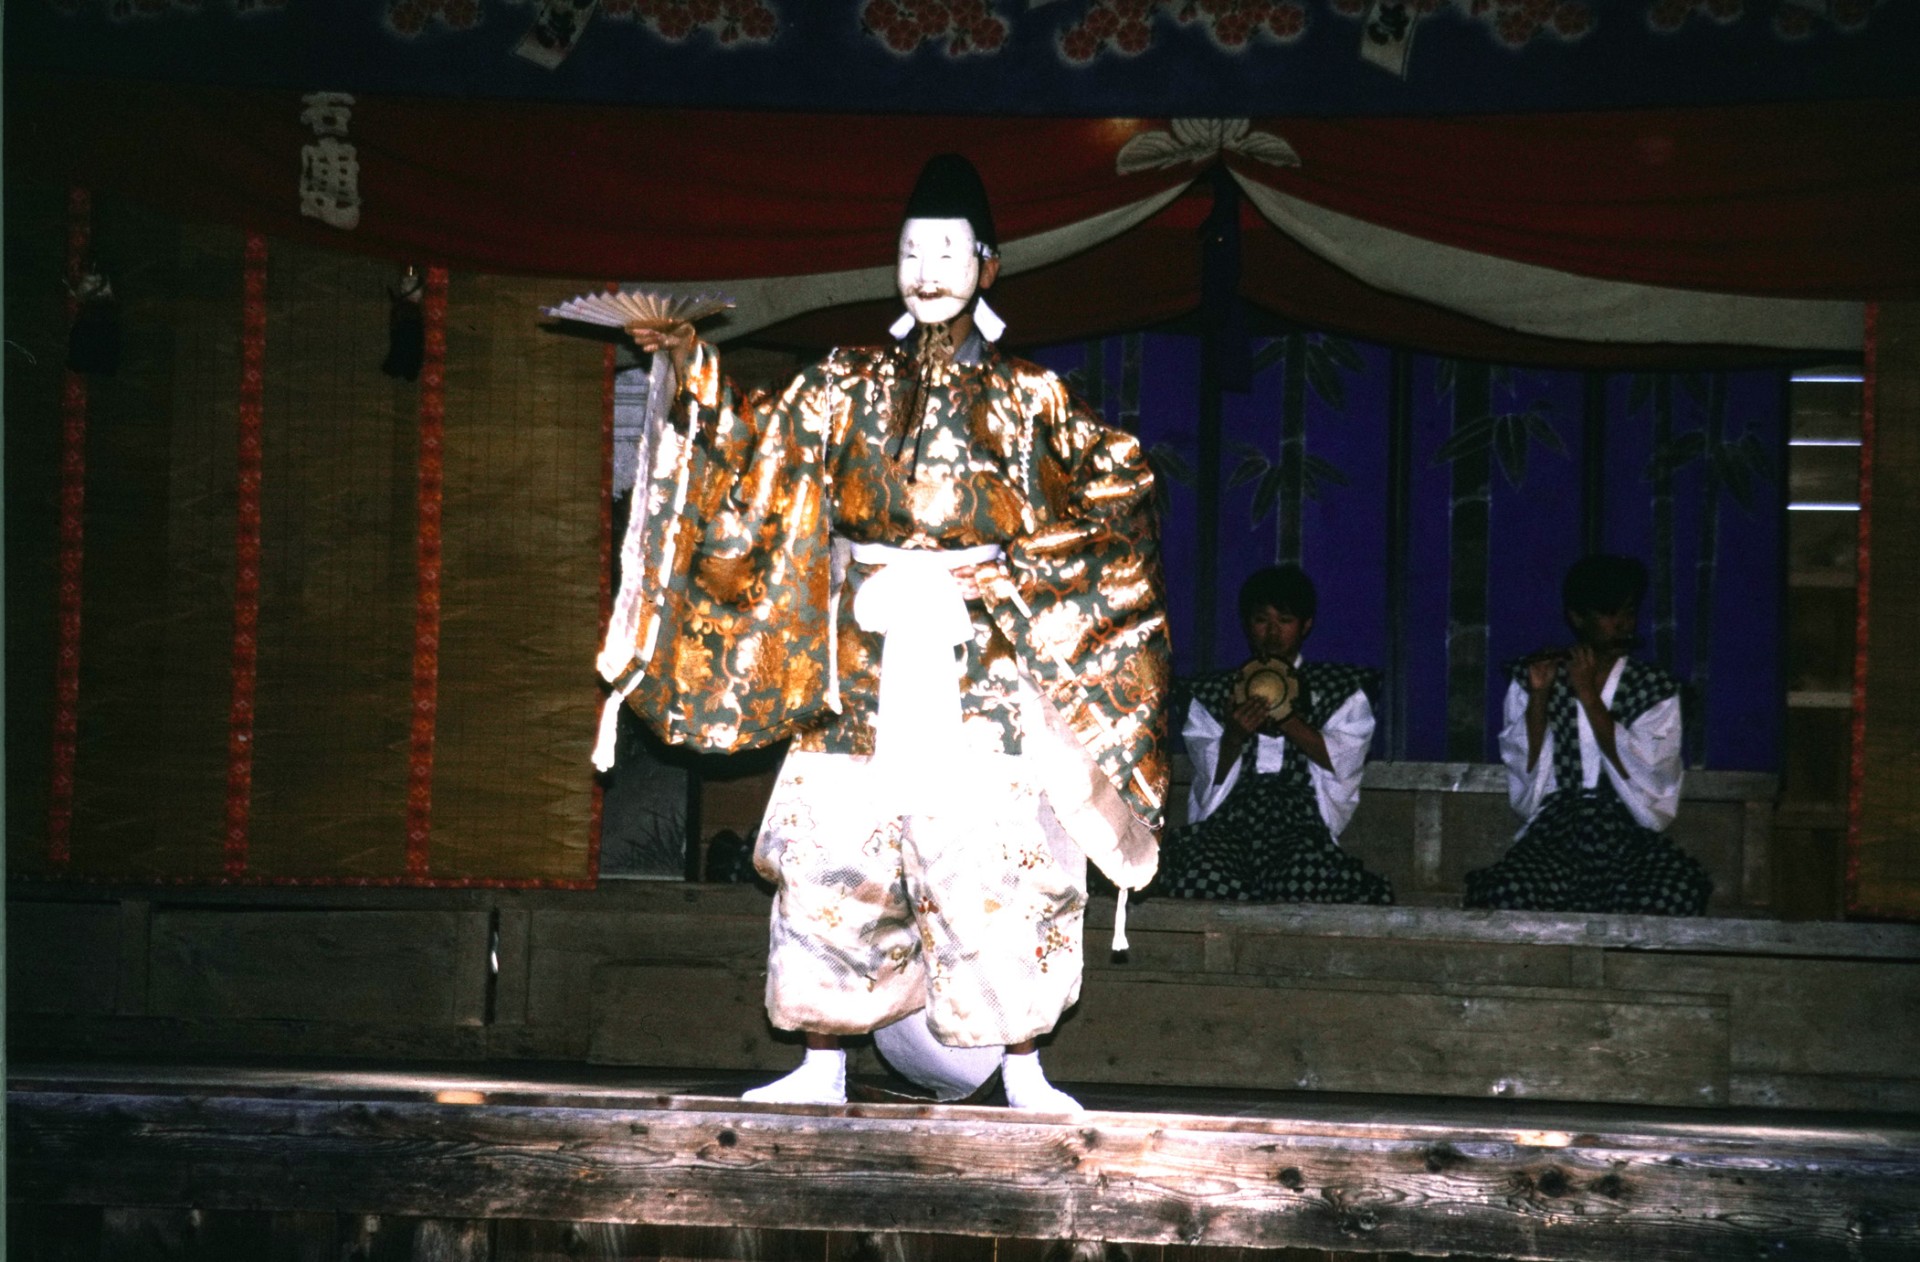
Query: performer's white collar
point(985, 319)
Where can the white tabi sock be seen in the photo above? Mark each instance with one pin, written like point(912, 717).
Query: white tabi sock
point(821, 1079)
point(1028, 1088)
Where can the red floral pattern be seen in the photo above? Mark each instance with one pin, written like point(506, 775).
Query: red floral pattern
point(246, 569)
point(1126, 27)
point(410, 17)
point(902, 26)
point(730, 22)
point(426, 615)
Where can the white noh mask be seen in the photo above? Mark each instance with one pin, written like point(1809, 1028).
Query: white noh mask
point(939, 269)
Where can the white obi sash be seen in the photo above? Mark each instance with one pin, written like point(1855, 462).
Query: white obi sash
point(915, 603)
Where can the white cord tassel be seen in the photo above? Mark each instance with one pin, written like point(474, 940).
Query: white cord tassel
point(1120, 921)
point(603, 745)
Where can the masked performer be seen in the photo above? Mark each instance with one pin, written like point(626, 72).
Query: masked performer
point(1591, 741)
point(938, 574)
point(1273, 791)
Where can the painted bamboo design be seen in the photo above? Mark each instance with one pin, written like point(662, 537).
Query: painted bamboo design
point(1661, 563)
point(1308, 362)
point(1469, 520)
point(1091, 380)
point(1293, 451)
point(1480, 436)
point(1728, 466)
point(1132, 352)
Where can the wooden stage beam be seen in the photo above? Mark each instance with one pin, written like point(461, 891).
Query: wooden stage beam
point(1500, 1181)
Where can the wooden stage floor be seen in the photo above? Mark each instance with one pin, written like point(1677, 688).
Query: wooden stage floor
point(473, 1148)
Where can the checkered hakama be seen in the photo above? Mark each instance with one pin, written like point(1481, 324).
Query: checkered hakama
point(1583, 850)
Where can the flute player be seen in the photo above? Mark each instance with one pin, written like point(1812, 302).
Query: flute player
point(1592, 746)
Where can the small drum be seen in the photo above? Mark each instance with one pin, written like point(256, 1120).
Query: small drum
point(1272, 680)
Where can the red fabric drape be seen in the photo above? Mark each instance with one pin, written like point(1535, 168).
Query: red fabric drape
point(1808, 200)
point(1815, 200)
point(565, 190)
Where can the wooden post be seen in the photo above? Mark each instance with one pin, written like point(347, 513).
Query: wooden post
point(1883, 859)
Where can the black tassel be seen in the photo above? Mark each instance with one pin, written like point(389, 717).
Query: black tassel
point(93, 340)
point(406, 328)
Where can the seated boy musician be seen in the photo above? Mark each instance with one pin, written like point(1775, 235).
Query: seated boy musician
point(1276, 765)
point(1591, 741)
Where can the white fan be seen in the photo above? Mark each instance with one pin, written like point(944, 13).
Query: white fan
point(645, 307)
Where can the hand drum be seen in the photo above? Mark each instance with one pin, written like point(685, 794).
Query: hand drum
point(1272, 680)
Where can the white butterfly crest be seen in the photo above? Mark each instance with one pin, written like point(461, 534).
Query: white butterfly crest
point(1191, 140)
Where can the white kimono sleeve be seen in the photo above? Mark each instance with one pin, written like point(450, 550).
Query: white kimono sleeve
point(1203, 733)
point(1349, 735)
point(1650, 751)
point(1526, 790)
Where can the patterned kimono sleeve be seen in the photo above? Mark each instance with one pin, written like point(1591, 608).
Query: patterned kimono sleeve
point(1348, 734)
point(743, 668)
point(771, 453)
point(1526, 790)
point(1090, 574)
point(1649, 748)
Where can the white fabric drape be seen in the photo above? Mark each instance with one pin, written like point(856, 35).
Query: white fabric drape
point(1551, 303)
point(766, 300)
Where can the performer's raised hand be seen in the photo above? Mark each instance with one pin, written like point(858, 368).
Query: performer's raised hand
point(1585, 674)
point(1541, 668)
point(676, 339)
point(1248, 717)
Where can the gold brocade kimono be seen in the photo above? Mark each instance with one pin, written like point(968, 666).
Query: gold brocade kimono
point(1004, 456)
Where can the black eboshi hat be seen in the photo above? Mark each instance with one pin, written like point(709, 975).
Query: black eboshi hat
point(949, 188)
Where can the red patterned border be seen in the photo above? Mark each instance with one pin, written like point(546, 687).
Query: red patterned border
point(426, 615)
point(1863, 573)
point(72, 553)
point(246, 568)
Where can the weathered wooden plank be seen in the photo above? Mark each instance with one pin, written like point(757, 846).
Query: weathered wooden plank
point(45, 1035)
point(63, 957)
point(1802, 1017)
point(1491, 778)
point(1445, 924)
point(1869, 1093)
point(1756, 855)
point(1156, 952)
point(567, 945)
point(673, 1016)
point(513, 958)
point(1337, 959)
point(53, 1233)
point(1539, 1042)
point(359, 966)
point(304, 1237)
point(573, 919)
point(1682, 1190)
point(130, 992)
point(452, 1240)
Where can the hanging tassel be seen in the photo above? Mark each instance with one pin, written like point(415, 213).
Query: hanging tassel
point(1120, 922)
point(406, 327)
point(607, 741)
